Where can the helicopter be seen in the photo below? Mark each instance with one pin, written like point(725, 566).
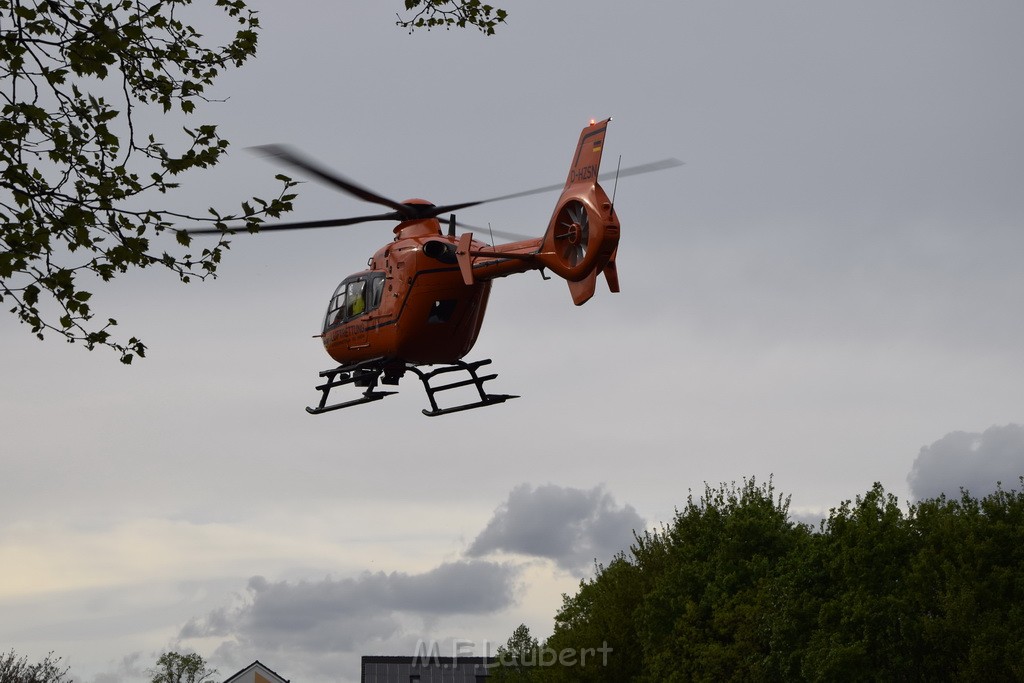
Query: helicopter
point(419, 305)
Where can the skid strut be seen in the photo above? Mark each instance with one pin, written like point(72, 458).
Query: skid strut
point(361, 374)
point(474, 380)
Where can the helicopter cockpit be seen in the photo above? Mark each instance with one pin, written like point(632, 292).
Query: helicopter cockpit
point(356, 295)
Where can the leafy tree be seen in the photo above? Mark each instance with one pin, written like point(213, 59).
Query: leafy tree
point(517, 659)
point(596, 628)
point(704, 615)
point(733, 590)
point(447, 13)
point(15, 669)
point(76, 160)
point(862, 627)
point(934, 593)
point(965, 586)
point(174, 667)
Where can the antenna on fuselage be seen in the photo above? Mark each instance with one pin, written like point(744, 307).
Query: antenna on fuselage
point(615, 186)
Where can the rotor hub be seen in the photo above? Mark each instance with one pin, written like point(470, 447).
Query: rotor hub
point(574, 233)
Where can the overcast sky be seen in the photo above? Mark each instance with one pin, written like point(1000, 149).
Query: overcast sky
point(828, 293)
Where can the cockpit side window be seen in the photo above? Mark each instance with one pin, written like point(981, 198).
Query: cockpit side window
point(353, 297)
point(336, 308)
point(376, 290)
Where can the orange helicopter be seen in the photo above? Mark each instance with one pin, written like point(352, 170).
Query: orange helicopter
point(422, 299)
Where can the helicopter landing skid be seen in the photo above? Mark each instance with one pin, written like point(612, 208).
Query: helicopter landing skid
point(369, 373)
point(474, 380)
point(361, 374)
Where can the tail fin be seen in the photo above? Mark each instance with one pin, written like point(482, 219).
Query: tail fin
point(586, 163)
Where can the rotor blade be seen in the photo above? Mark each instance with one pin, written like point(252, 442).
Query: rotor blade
point(501, 234)
point(402, 212)
point(651, 167)
point(293, 158)
point(434, 211)
point(300, 225)
point(632, 170)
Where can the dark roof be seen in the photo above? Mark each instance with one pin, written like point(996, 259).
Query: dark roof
point(379, 668)
point(382, 659)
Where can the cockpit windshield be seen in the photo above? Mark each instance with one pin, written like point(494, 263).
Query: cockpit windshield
point(353, 297)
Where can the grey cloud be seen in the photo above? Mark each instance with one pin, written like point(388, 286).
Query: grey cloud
point(129, 668)
point(340, 615)
point(217, 622)
point(571, 526)
point(972, 461)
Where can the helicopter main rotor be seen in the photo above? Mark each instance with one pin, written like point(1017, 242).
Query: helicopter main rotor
point(402, 211)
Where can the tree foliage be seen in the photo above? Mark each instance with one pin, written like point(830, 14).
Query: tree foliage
point(81, 171)
point(517, 658)
point(600, 615)
point(174, 667)
point(430, 14)
point(15, 669)
point(734, 590)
